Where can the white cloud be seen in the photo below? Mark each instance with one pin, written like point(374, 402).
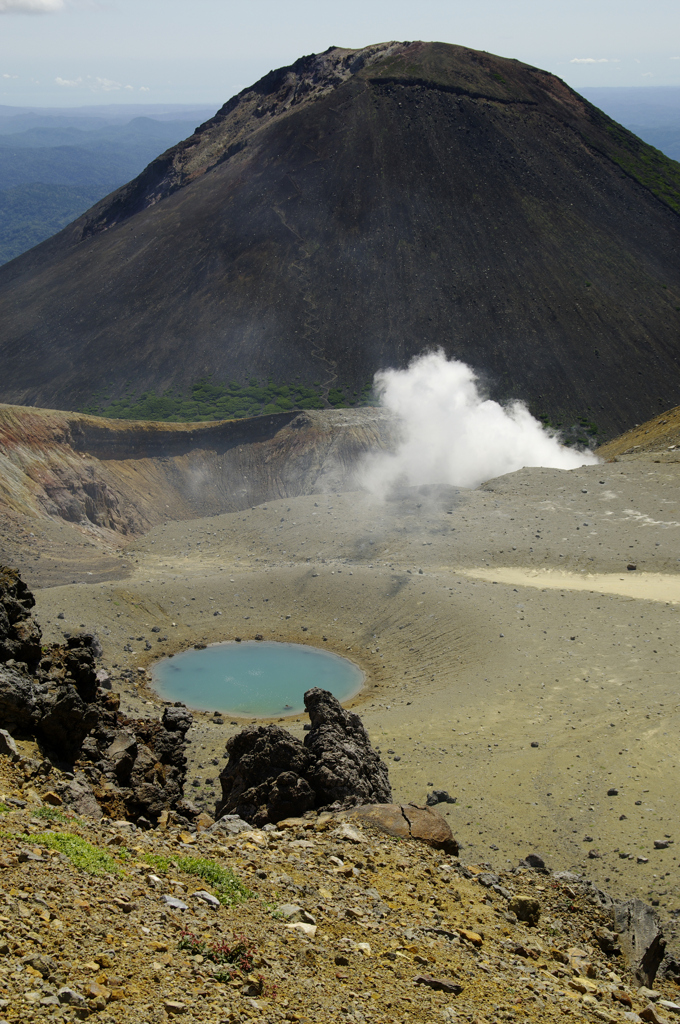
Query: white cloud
point(94, 84)
point(144, 88)
point(106, 84)
point(595, 60)
point(675, 58)
point(10, 76)
point(648, 74)
point(31, 6)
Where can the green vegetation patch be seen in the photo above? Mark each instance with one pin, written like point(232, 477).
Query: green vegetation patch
point(229, 889)
point(208, 400)
point(50, 814)
point(240, 955)
point(648, 165)
point(81, 853)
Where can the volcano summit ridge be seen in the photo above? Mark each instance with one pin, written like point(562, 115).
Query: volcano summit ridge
point(354, 209)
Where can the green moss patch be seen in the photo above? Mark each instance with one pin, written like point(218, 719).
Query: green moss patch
point(227, 887)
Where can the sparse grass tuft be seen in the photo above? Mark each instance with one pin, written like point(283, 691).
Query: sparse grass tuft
point(229, 889)
point(50, 814)
point(81, 853)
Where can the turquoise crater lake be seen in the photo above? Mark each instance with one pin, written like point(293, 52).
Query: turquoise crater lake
point(261, 679)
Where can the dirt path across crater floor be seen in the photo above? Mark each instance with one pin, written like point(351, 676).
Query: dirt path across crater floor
point(511, 657)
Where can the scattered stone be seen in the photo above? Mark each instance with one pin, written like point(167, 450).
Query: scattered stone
point(650, 994)
point(612, 792)
point(206, 897)
point(174, 903)
point(533, 860)
point(439, 796)
point(173, 1007)
point(438, 984)
point(651, 1015)
point(409, 821)
point(231, 823)
point(661, 844)
point(69, 997)
point(672, 1007)
point(301, 926)
point(348, 833)
point(526, 909)
point(8, 746)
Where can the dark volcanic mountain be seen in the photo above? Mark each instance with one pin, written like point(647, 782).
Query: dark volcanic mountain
point(353, 209)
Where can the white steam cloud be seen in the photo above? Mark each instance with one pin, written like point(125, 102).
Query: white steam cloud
point(450, 434)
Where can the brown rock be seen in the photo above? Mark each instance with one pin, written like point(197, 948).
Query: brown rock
point(96, 991)
point(651, 1014)
point(474, 937)
point(526, 909)
point(438, 984)
point(52, 798)
point(172, 1007)
point(410, 822)
point(203, 821)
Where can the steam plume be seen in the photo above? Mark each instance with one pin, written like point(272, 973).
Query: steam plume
point(450, 434)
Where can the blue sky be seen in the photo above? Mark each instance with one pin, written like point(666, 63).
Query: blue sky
point(78, 52)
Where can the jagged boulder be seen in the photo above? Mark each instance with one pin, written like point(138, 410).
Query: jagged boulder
point(346, 770)
point(265, 777)
point(640, 937)
point(126, 767)
point(20, 635)
point(271, 775)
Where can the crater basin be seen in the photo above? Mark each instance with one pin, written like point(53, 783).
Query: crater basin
point(262, 679)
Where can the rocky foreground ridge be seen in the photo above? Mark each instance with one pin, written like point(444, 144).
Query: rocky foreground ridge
point(120, 901)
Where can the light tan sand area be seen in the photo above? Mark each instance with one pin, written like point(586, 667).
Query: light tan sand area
point(646, 586)
point(467, 669)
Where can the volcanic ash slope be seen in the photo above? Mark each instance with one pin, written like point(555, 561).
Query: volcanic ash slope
point(487, 621)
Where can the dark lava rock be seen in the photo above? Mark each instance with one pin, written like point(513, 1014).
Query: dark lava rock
point(346, 770)
point(271, 775)
point(439, 796)
point(265, 777)
point(127, 768)
point(640, 937)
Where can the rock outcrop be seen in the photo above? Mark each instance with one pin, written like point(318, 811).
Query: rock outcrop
point(408, 821)
point(641, 939)
point(127, 768)
point(271, 775)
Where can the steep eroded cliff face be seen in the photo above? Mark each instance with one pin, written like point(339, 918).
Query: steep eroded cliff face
point(112, 479)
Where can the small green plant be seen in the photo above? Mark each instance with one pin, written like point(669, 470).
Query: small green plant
point(240, 955)
point(229, 889)
point(81, 853)
point(50, 814)
point(4, 809)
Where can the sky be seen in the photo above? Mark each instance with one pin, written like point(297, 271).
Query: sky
point(57, 53)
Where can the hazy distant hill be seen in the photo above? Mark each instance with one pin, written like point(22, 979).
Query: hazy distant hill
point(348, 212)
point(54, 166)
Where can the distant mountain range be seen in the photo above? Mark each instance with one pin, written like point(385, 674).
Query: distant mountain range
point(348, 212)
point(55, 164)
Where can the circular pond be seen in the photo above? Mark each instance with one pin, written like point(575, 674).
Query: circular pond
point(256, 678)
